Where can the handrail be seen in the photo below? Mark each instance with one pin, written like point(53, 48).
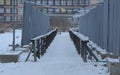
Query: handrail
point(80, 42)
point(38, 37)
point(39, 44)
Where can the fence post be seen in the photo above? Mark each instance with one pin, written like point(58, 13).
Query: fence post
point(84, 50)
point(78, 45)
point(34, 51)
point(42, 46)
point(38, 48)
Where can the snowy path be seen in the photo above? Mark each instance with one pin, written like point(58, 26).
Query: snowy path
point(61, 59)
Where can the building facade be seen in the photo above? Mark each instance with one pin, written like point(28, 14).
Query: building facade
point(6, 8)
point(6, 11)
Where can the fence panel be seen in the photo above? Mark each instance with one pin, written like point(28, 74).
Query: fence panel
point(101, 25)
point(35, 23)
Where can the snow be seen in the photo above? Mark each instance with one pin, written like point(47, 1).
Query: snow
point(6, 40)
point(80, 35)
point(44, 35)
point(113, 60)
point(76, 15)
point(93, 45)
point(84, 38)
point(11, 53)
point(61, 58)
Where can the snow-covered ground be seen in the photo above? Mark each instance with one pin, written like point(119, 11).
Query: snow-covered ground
point(61, 58)
point(6, 40)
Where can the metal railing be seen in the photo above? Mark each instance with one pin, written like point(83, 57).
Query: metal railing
point(81, 45)
point(40, 44)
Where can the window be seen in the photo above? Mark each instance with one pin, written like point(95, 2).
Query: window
point(75, 2)
point(50, 10)
point(44, 10)
point(50, 2)
point(1, 18)
point(1, 10)
point(57, 2)
point(21, 1)
point(20, 10)
point(15, 11)
point(87, 2)
point(82, 2)
point(44, 2)
point(38, 2)
point(1, 2)
point(16, 2)
point(69, 10)
point(8, 19)
point(63, 10)
point(63, 2)
point(57, 10)
point(8, 2)
point(8, 11)
point(13, 18)
point(69, 2)
point(20, 19)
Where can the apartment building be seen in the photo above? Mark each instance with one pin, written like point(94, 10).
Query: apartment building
point(6, 8)
point(6, 11)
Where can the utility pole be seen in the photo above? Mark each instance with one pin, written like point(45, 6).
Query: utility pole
point(13, 25)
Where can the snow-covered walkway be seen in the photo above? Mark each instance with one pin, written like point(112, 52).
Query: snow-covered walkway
point(61, 58)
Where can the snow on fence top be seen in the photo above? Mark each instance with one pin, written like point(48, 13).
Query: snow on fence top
point(44, 34)
point(94, 45)
point(81, 36)
point(113, 60)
